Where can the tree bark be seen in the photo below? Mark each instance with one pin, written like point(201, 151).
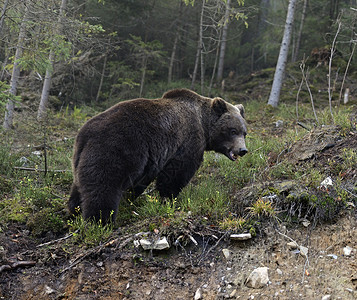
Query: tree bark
point(172, 58)
point(101, 78)
point(41, 114)
point(3, 14)
point(223, 42)
point(199, 46)
point(298, 41)
point(283, 56)
point(15, 76)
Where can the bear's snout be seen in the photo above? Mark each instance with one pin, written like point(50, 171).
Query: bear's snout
point(242, 151)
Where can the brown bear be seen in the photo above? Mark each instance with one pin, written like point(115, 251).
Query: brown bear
point(129, 145)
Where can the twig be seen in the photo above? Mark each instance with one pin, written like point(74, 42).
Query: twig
point(213, 247)
point(332, 51)
point(97, 249)
point(345, 75)
point(40, 170)
point(298, 246)
point(17, 264)
point(305, 77)
point(58, 240)
point(304, 126)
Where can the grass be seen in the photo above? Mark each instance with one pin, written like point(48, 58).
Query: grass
point(38, 201)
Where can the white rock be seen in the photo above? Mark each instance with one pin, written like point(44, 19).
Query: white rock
point(226, 253)
point(241, 236)
point(304, 251)
point(258, 278)
point(161, 244)
point(280, 272)
point(326, 182)
point(347, 251)
point(49, 290)
point(306, 223)
point(146, 244)
point(326, 297)
point(292, 245)
point(198, 294)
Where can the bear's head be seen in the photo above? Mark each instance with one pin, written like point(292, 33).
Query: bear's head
point(227, 129)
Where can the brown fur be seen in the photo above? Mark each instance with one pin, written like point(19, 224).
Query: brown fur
point(129, 145)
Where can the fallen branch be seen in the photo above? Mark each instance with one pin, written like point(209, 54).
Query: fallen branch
point(304, 126)
point(40, 170)
point(213, 247)
point(17, 264)
point(58, 240)
point(125, 240)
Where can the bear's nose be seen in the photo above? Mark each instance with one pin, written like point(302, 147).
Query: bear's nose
point(242, 151)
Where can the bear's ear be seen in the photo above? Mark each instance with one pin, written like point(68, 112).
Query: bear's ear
point(241, 109)
point(219, 106)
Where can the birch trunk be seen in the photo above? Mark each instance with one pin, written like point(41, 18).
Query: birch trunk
point(199, 47)
point(41, 114)
point(298, 42)
point(283, 56)
point(15, 76)
point(223, 42)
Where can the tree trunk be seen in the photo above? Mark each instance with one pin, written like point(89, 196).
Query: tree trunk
point(3, 14)
point(41, 114)
point(223, 42)
point(199, 46)
point(283, 56)
point(298, 41)
point(143, 74)
point(101, 78)
point(10, 106)
point(172, 58)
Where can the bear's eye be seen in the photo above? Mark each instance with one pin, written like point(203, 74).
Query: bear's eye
point(234, 132)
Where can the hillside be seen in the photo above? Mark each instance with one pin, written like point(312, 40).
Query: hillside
point(297, 184)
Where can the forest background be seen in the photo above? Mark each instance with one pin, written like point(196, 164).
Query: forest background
point(83, 52)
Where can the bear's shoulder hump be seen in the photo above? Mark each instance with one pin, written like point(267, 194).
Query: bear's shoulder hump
point(181, 94)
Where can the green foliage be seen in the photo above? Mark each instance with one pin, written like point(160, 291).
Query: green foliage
point(262, 208)
point(232, 223)
point(5, 95)
point(89, 233)
point(154, 206)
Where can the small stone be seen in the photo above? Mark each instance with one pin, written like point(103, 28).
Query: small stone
point(334, 256)
point(161, 244)
point(241, 236)
point(146, 244)
point(258, 278)
point(303, 251)
point(326, 297)
point(49, 290)
point(280, 272)
point(326, 183)
point(233, 293)
point(226, 254)
point(198, 294)
point(279, 123)
point(100, 264)
point(347, 251)
point(292, 245)
point(306, 223)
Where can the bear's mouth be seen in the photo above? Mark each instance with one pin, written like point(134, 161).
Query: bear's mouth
point(232, 156)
